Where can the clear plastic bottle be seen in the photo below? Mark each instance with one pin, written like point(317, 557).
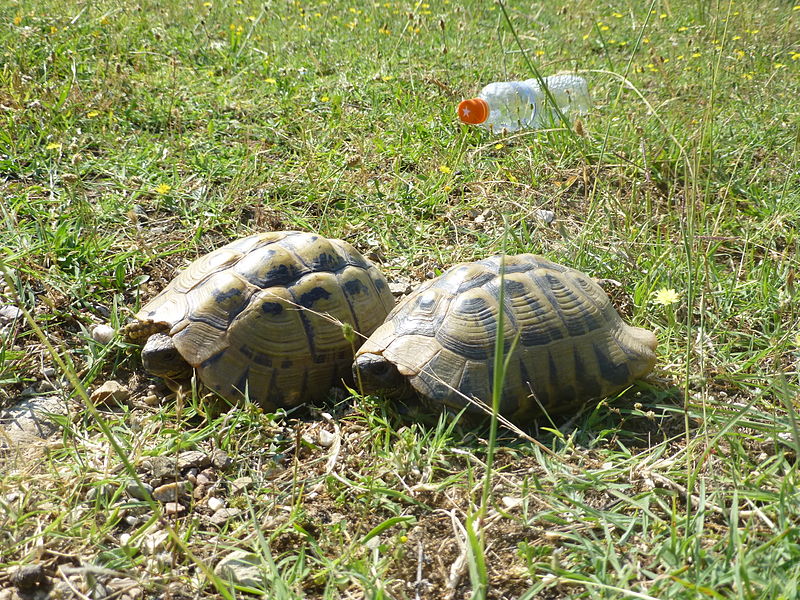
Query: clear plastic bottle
point(514, 105)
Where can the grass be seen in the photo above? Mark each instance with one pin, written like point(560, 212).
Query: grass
point(137, 136)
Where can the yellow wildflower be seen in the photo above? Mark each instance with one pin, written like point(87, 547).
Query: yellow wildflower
point(92, 114)
point(53, 146)
point(445, 169)
point(163, 188)
point(270, 80)
point(666, 296)
point(387, 77)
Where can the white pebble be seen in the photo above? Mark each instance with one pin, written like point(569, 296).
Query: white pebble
point(215, 503)
point(10, 313)
point(102, 334)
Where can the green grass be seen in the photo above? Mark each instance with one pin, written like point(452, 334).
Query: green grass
point(137, 136)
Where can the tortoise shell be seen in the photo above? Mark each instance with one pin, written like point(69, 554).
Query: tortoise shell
point(263, 315)
point(564, 341)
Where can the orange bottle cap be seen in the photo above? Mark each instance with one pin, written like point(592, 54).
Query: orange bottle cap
point(473, 111)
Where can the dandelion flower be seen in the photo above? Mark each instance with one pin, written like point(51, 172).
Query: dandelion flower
point(498, 145)
point(92, 114)
point(445, 169)
point(163, 188)
point(666, 296)
point(387, 77)
point(324, 99)
point(271, 80)
point(53, 146)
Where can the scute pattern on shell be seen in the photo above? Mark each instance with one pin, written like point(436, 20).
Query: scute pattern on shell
point(567, 341)
point(263, 315)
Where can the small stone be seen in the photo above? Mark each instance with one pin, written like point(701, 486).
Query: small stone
point(241, 484)
point(132, 520)
point(399, 288)
point(45, 386)
point(174, 508)
point(325, 438)
point(223, 515)
point(203, 479)
point(171, 492)
point(10, 313)
point(111, 392)
point(49, 372)
point(124, 539)
point(124, 587)
point(215, 503)
point(546, 216)
point(102, 334)
point(159, 466)
point(28, 577)
point(220, 459)
point(193, 459)
point(138, 491)
point(34, 416)
point(155, 542)
point(511, 502)
point(151, 400)
point(242, 568)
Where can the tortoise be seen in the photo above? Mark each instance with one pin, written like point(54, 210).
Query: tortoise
point(564, 341)
point(263, 316)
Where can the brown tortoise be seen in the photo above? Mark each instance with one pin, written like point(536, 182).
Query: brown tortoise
point(568, 344)
point(263, 316)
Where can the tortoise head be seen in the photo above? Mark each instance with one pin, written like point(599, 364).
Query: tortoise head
point(162, 359)
point(377, 375)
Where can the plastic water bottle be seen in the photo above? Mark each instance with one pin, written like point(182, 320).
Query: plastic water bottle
point(514, 105)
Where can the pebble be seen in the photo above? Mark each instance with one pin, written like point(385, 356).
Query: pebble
point(241, 484)
point(151, 400)
point(223, 515)
point(215, 503)
point(33, 415)
point(159, 466)
point(547, 216)
point(171, 492)
point(174, 508)
point(242, 568)
point(124, 587)
point(138, 491)
point(326, 438)
point(102, 334)
point(220, 460)
point(28, 577)
point(192, 459)
point(45, 386)
point(111, 392)
point(155, 542)
point(49, 372)
point(399, 288)
point(10, 313)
